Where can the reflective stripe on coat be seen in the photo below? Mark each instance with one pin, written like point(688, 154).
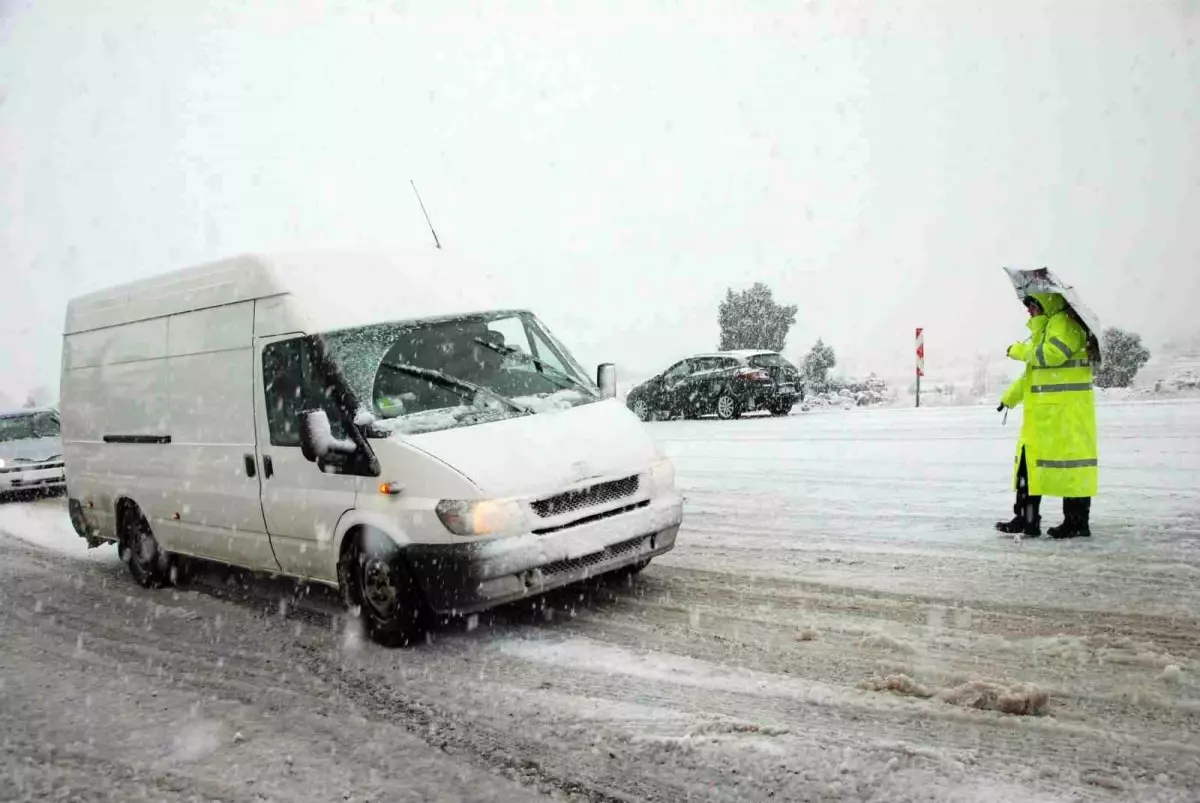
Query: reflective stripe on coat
point(1058, 432)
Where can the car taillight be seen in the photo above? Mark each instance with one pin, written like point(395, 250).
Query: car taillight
point(754, 374)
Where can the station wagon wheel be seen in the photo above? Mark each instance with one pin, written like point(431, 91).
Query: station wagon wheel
point(149, 564)
point(727, 407)
point(641, 410)
point(377, 580)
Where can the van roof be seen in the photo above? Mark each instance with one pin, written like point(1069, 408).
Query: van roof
point(336, 288)
point(24, 411)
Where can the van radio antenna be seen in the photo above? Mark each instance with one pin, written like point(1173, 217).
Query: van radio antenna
point(427, 220)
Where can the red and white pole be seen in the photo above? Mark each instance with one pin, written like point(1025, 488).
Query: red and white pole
point(920, 360)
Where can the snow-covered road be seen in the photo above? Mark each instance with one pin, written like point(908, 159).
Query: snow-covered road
point(838, 622)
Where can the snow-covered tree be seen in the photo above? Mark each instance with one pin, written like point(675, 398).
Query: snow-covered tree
point(1124, 356)
point(752, 319)
point(816, 366)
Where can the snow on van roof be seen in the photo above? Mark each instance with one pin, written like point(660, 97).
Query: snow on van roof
point(23, 411)
point(338, 290)
point(334, 289)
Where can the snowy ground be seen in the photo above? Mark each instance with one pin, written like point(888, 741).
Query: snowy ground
point(838, 622)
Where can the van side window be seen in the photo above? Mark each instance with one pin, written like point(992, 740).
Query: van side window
point(293, 383)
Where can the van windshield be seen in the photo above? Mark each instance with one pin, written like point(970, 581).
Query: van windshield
point(413, 377)
point(28, 427)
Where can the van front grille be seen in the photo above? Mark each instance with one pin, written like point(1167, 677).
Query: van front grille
point(604, 514)
point(593, 495)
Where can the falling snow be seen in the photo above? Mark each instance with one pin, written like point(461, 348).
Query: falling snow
point(796, 640)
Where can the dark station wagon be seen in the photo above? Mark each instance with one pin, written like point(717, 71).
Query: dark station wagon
point(726, 383)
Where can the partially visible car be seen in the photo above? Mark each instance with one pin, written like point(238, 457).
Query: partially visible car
point(31, 458)
point(725, 383)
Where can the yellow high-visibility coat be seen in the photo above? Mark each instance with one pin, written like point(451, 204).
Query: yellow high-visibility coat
point(1058, 433)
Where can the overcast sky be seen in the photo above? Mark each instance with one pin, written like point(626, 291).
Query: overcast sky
point(874, 162)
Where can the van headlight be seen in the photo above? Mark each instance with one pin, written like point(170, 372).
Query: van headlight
point(480, 517)
point(662, 474)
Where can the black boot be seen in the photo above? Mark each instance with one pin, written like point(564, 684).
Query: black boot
point(1027, 521)
point(1076, 519)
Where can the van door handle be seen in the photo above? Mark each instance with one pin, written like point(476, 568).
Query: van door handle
point(268, 466)
point(249, 458)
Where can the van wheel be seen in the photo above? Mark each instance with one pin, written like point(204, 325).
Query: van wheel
point(149, 564)
point(376, 580)
point(727, 407)
point(781, 410)
point(641, 410)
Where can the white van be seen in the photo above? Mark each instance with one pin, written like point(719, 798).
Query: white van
point(30, 452)
point(355, 420)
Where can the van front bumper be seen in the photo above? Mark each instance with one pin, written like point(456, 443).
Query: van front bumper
point(471, 576)
point(32, 479)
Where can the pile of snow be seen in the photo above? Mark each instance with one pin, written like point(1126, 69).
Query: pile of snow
point(900, 684)
point(1021, 699)
point(425, 421)
point(46, 524)
point(552, 402)
point(869, 392)
point(883, 641)
point(1182, 381)
point(807, 634)
point(486, 409)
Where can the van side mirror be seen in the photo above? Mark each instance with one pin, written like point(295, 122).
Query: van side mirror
point(606, 380)
point(317, 443)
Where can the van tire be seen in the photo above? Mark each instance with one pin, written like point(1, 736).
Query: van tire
point(150, 564)
point(376, 581)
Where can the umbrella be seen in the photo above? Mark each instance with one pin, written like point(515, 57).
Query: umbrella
point(1042, 280)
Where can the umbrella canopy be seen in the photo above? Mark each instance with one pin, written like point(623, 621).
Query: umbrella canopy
point(1042, 280)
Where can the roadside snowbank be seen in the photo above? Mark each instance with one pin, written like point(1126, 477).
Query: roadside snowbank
point(46, 524)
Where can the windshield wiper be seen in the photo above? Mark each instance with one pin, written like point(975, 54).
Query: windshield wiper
point(557, 372)
point(455, 383)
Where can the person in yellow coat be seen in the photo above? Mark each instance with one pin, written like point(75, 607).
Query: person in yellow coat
point(1056, 452)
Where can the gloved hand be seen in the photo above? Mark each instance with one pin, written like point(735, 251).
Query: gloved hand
point(1000, 408)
